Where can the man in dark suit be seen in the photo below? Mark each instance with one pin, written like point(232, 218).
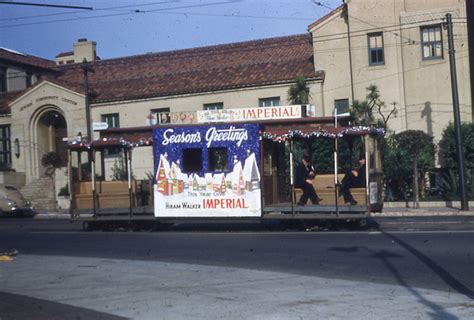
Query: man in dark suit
point(353, 179)
point(304, 177)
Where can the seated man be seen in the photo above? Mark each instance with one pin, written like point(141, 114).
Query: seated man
point(353, 179)
point(304, 176)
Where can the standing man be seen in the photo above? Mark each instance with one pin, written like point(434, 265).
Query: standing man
point(304, 177)
point(353, 179)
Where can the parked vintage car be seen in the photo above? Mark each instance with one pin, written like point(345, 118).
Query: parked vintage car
point(12, 201)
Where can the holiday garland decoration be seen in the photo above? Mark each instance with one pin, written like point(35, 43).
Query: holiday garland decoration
point(82, 143)
point(322, 133)
point(291, 134)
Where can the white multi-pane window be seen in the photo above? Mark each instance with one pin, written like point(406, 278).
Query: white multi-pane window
point(213, 106)
point(269, 102)
point(159, 116)
point(431, 42)
point(376, 54)
point(341, 105)
point(112, 119)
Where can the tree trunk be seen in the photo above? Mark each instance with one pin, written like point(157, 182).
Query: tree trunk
point(416, 197)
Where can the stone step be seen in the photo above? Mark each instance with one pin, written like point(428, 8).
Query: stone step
point(40, 193)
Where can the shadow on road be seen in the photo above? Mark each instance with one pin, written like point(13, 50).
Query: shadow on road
point(16, 306)
point(434, 266)
point(386, 257)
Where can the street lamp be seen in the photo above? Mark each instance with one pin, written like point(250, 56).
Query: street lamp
point(16, 147)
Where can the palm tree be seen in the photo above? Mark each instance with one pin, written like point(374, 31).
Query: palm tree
point(299, 92)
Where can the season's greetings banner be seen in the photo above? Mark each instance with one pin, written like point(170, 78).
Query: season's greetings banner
point(207, 171)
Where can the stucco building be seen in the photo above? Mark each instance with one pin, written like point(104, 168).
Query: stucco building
point(398, 45)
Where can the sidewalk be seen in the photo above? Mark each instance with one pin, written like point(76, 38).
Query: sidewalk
point(423, 211)
point(389, 211)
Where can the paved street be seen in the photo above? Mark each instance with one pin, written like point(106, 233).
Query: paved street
point(237, 272)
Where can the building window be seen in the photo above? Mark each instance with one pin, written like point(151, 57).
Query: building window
point(213, 106)
point(269, 102)
point(341, 106)
point(3, 79)
point(192, 160)
point(112, 120)
point(5, 147)
point(160, 116)
point(217, 159)
point(376, 54)
point(29, 79)
point(431, 42)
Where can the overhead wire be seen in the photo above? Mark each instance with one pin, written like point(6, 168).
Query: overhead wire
point(384, 28)
point(201, 5)
point(94, 9)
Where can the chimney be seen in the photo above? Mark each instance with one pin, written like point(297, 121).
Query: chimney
point(84, 49)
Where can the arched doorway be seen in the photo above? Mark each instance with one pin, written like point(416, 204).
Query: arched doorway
point(51, 131)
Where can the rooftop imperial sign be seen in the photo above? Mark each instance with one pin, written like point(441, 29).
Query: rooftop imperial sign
point(207, 171)
point(249, 114)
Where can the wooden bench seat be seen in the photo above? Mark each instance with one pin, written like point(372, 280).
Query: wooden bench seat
point(109, 194)
point(324, 186)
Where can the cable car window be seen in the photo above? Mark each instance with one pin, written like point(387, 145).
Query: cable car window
point(217, 159)
point(192, 160)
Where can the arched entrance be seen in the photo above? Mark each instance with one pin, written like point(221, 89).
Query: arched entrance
point(51, 130)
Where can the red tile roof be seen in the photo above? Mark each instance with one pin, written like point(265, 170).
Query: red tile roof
point(229, 66)
point(221, 67)
point(25, 59)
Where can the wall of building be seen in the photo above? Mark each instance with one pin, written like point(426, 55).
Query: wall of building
point(420, 88)
point(330, 45)
point(134, 113)
point(428, 95)
point(26, 112)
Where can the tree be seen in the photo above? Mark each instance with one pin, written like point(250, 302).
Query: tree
point(408, 157)
point(448, 158)
point(299, 92)
point(364, 111)
point(51, 161)
point(447, 146)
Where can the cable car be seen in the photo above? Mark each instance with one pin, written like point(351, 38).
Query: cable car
point(223, 169)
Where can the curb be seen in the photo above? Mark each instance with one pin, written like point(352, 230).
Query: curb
point(389, 212)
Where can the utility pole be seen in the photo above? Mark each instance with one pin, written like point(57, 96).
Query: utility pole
point(470, 41)
point(85, 68)
point(457, 117)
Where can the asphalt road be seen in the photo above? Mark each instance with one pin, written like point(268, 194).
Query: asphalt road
point(438, 255)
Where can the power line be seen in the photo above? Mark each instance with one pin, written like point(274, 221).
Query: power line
point(120, 14)
point(44, 5)
point(236, 16)
point(165, 11)
point(94, 9)
point(366, 22)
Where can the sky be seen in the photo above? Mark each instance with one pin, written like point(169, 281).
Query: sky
point(124, 28)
